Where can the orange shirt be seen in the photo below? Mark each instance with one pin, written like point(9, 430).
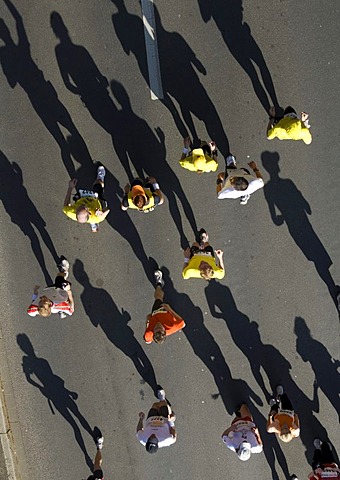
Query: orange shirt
point(170, 323)
point(283, 418)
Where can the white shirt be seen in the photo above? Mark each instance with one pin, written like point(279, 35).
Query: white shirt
point(159, 427)
point(228, 191)
point(242, 433)
point(56, 295)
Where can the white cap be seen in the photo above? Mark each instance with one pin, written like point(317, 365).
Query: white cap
point(243, 451)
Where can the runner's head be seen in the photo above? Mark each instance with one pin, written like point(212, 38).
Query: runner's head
point(152, 444)
point(285, 434)
point(159, 336)
point(206, 271)
point(139, 201)
point(243, 451)
point(239, 183)
point(44, 307)
point(82, 214)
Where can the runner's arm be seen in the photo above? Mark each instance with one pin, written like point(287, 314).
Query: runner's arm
point(71, 185)
point(140, 422)
point(219, 254)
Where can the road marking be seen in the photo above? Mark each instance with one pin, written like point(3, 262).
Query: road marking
point(150, 36)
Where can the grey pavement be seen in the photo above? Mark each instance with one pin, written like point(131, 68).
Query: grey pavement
point(270, 320)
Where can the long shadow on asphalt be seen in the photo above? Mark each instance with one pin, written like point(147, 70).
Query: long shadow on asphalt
point(132, 138)
point(228, 16)
point(104, 313)
point(53, 388)
point(136, 142)
point(20, 69)
point(179, 78)
point(246, 336)
point(23, 212)
point(287, 205)
point(232, 392)
point(324, 366)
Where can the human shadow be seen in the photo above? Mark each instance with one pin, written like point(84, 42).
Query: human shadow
point(266, 358)
point(283, 196)
point(202, 342)
point(175, 56)
point(82, 77)
point(20, 69)
point(122, 223)
point(23, 212)
point(135, 142)
point(53, 388)
point(228, 16)
point(324, 366)
point(103, 313)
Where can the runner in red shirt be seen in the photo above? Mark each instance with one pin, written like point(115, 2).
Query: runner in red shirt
point(324, 466)
point(163, 320)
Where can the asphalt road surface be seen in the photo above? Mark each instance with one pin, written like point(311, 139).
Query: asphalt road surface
point(75, 90)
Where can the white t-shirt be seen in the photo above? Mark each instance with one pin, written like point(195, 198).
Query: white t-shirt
point(156, 426)
point(228, 191)
point(56, 295)
point(242, 433)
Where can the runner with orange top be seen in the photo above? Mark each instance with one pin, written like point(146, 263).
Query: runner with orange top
point(282, 419)
point(142, 195)
point(163, 320)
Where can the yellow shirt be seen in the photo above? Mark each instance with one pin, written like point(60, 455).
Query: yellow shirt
point(91, 203)
point(289, 128)
point(192, 271)
point(210, 165)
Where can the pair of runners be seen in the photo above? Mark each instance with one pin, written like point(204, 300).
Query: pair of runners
point(243, 436)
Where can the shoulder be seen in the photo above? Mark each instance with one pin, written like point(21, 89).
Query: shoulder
point(32, 310)
point(219, 273)
point(228, 441)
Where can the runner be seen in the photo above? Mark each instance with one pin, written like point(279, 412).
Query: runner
point(90, 206)
point(97, 464)
point(243, 437)
point(203, 159)
point(282, 419)
point(323, 464)
point(159, 430)
point(163, 320)
point(142, 195)
point(57, 298)
point(237, 182)
point(289, 126)
point(199, 260)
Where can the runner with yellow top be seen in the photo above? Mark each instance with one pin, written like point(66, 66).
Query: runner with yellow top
point(199, 260)
point(142, 195)
point(289, 126)
point(90, 206)
point(203, 159)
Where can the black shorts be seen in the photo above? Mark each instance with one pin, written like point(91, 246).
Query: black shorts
point(60, 282)
point(97, 188)
point(162, 411)
point(287, 110)
point(97, 474)
point(139, 181)
point(157, 305)
point(195, 250)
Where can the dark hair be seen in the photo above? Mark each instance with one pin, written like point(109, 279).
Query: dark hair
point(159, 337)
point(137, 199)
point(239, 183)
point(151, 447)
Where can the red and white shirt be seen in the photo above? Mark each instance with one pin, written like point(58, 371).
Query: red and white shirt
point(57, 296)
